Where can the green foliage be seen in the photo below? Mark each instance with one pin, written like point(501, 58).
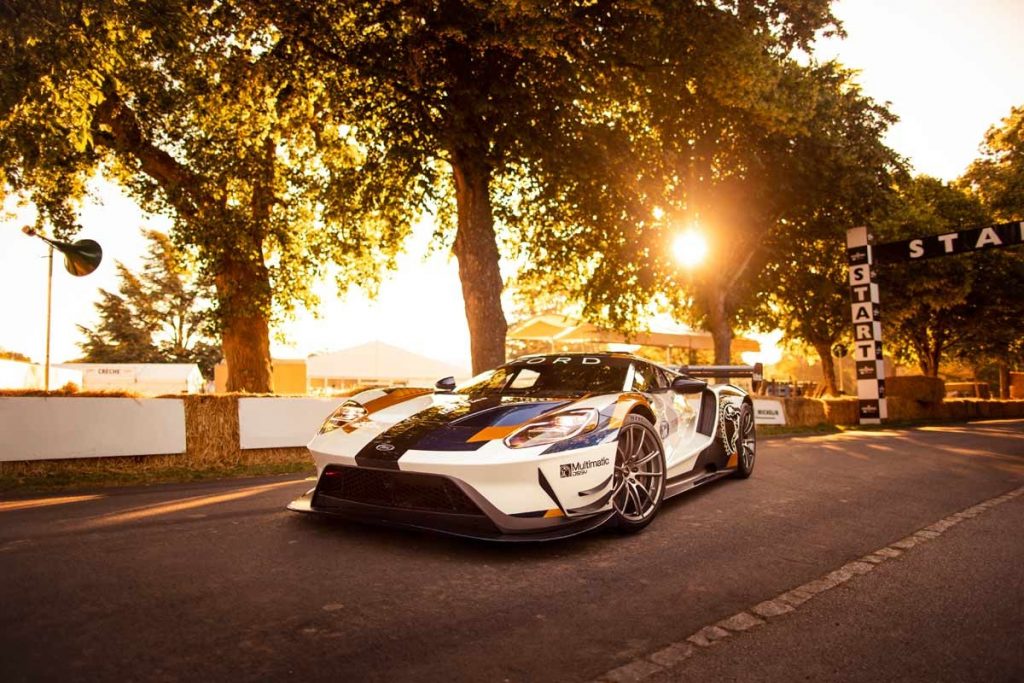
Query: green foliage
point(933, 307)
point(562, 113)
point(680, 117)
point(204, 113)
point(834, 174)
point(998, 176)
point(13, 355)
point(161, 315)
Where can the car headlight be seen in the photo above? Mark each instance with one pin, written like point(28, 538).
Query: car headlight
point(552, 428)
point(347, 412)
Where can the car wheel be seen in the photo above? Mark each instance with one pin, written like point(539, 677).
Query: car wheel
point(747, 443)
point(638, 484)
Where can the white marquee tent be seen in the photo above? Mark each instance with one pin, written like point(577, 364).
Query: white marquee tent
point(377, 364)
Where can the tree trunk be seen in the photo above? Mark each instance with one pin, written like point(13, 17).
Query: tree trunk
point(476, 249)
point(719, 324)
point(828, 367)
point(1004, 380)
point(243, 294)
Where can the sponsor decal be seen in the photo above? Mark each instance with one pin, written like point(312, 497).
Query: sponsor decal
point(385, 447)
point(769, 411)
point(867, 369)
point(857, 255)
point(559, 360)
point(575, 469)
point(869, 409)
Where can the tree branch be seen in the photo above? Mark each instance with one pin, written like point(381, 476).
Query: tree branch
point(116, 126)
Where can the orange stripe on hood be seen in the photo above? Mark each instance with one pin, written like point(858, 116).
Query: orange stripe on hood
point(381, 402)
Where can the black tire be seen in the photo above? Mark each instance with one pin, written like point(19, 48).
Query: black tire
point(638, 483)
point(747, 442)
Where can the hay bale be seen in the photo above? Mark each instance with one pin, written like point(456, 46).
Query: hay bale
point(211, 430)
point(901, 409)
point(968, 390)
point(804, 412)
point(916, 387)
point(841, 411)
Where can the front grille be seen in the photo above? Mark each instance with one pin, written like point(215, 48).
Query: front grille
point(402, 490)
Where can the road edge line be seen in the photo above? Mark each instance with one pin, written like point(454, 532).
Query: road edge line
point(788, 601)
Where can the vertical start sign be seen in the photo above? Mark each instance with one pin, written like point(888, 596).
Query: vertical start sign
point(867, 329)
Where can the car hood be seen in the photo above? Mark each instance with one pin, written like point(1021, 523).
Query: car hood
point(455, 422)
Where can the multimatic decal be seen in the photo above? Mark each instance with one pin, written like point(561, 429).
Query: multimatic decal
point(576, 469)
point(448, 426)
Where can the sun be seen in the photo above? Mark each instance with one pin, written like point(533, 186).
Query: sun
point(690, 248)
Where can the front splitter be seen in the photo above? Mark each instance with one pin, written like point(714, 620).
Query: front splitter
point(450, 525)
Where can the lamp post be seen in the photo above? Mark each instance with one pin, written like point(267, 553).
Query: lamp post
point(81, 257)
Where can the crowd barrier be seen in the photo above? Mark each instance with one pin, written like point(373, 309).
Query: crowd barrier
point(200, 431)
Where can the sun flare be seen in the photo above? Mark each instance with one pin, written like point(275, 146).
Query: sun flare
point(690, 248)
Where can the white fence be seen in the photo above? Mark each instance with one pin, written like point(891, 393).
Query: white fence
point(72, 427)
point(52, 428)
point(282, 422)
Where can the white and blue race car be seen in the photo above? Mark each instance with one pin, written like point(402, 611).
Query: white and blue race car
point(544, 447)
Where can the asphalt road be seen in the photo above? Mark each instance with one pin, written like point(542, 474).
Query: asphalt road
point(218, 582)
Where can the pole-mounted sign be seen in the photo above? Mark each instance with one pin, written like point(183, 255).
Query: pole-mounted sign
point(867, 328)
point(951, 243)
point(862, 256)
point(81, 257)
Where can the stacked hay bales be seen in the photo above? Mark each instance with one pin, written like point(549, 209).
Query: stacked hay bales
point(804, 412)
point(914, 397)
point(841, 411)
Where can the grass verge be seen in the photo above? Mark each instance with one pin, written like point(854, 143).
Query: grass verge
point(21, 483)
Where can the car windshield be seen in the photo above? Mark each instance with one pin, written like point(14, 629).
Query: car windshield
point(551, 376)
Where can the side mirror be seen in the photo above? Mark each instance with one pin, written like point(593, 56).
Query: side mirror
point(446, 384)
point(685, 385)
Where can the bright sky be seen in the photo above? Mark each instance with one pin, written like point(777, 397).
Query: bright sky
point(949, 68)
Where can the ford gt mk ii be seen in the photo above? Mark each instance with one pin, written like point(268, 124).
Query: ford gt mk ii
point(543, 447)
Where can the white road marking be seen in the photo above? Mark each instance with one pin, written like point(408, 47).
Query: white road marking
point(44, 502)
point(760, 614)
point(179, 505)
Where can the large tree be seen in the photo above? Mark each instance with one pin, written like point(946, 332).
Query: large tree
point(998, 175)
point(702, 139)
point(161, 314)
point(513, 103)
point(836, 173)
point(205, 113)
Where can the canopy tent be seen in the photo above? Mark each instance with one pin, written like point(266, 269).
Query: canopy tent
point(562, 332)
point(377, 364)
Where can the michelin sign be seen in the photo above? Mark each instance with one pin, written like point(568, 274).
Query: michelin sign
point(769, 412)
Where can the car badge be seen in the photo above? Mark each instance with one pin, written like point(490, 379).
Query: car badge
point(385, 447)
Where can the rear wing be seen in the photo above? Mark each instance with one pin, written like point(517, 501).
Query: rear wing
point(755, 372)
